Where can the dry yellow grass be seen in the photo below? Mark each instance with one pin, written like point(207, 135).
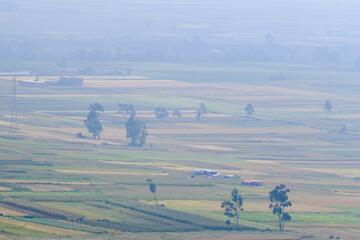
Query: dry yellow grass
point(297, 207)
point(351, 173)
point(264, 130)
point(329, 201)
point(48, 182)
point(72, 95)
point(297, 109)
point(157, 164)
point(277, 91)
point(262, 161)
point(9, 212)
point(4, 123)
point(325, 232)
point(9, 116)
point(330, 182)
point(134, 163)
point(239, 172)
point(64, 134)
point(213, 207)
point(5, 189)
point(211, 147)
point(164, 165)
point(110, 136)
point(41, 228)
point(109, 172)
point(350, 116)
point(186, 114)
point(75, 209)
point(247, 238)
point(208, 208)
point(349, 193)
point(31, 79)
point(259, 98)
point(136, 83)
point(47, 188)
point(114, 77)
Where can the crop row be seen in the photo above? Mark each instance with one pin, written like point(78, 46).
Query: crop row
point(58, 224)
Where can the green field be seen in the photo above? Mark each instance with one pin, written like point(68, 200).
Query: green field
point(53, 182)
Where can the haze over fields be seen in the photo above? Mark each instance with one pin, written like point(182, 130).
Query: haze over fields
point(135, 119)
point(298, 32)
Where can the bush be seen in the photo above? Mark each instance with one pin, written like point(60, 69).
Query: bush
point(80, 135)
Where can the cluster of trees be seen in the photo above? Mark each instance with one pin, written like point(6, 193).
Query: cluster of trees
point(136, 129)
point(92, 122)
point(195, 50)
point(126, 110)
point(279, 201)
point(162, 113)
point(233, 207)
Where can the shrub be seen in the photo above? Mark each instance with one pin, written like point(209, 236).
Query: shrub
point(80, 135)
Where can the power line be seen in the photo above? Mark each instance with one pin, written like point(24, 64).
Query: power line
point(13, 107)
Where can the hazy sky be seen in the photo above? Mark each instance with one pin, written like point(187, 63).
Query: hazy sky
point(230, 20)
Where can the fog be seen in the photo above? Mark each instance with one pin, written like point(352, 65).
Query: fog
point(322, 31)
point(158, 119)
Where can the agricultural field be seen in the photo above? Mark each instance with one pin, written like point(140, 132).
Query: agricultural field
point(53, 183)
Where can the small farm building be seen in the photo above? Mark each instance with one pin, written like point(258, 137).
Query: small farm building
point(205, 173)
point(254, 183)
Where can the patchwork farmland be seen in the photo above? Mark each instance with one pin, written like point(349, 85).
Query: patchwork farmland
point(55, 183)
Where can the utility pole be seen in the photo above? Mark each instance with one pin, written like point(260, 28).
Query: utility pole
point(13, 108)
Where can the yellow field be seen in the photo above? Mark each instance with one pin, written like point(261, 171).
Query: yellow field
point(49, 182)
point(110, 173)
point(5, 189)
point(47, 188)
point(9, 212)
point(210, 209)
point(220, 131)
point(350, 116)
point(39, 227)
point(212, 147)
point(76, 210)
point(135, 83)
point(350, 173)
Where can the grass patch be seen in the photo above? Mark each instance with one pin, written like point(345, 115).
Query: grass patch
point(324, 186)
point(29, 143)
point(58, 224)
